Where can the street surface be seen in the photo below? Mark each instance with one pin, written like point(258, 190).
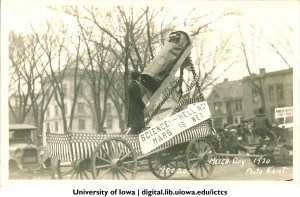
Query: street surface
point(239, 169)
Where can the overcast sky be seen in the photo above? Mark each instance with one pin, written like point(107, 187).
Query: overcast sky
point(271, 15)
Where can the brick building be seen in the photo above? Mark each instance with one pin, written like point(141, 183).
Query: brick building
point(231, 101)
point(278, 92)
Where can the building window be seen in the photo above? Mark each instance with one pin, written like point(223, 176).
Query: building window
point(80, 107)
point(56, 110)
point(228, 107)
point(217, 106)
point(65, 89)
point(66, 108)
point(291, 97)
point(48, 112)
point(215, 96)
point(239, 105)
point(255, 96)
point(279, 91)
point(47, 97)
point(81, 124)
point(93, 124)
point(271, 92)
point(81, 91)
point(109, 124)
point(48, 127)
point(56, 126)
point(236, 120)
point(108, 109)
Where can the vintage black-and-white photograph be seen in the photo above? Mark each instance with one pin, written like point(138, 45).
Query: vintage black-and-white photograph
point(189, 90)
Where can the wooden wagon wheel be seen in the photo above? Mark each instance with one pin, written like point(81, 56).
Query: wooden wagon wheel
point(114, 158)
point(198, 159)
point(80, 169)
point(162, 165)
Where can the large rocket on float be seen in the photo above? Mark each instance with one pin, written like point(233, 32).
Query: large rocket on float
point(159, 73)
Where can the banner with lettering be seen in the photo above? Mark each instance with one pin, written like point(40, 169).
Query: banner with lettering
point(283, 112)
point(169, 127)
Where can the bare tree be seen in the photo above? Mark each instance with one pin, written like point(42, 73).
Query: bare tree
point(21, 78)
point(213, 48)
point(130, 40)
point(281, 44)
point(133, 37)
point(27, 78)
point(99, 70)
point(61, 62)
point(249, 55)
point(213, 58)
point(254, 40)
point(200, 23)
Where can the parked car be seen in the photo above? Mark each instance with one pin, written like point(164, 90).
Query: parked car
point(23, 153)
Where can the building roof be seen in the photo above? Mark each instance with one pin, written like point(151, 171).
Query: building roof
point(280, 72)
point(263, 73)
point(226, 90)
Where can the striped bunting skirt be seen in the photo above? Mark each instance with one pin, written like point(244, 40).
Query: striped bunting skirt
point(73, 146)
